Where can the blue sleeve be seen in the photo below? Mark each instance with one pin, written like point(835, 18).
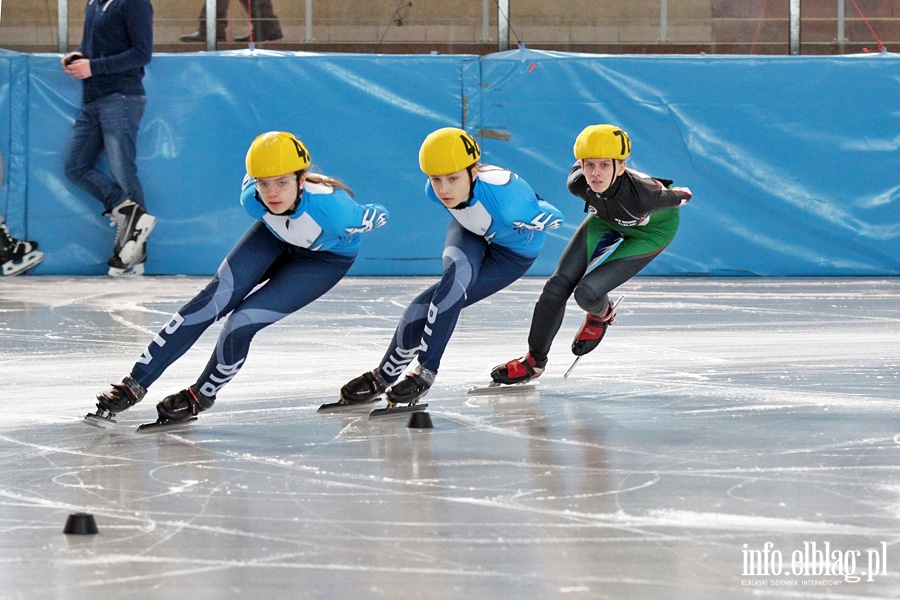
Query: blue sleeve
point(138, 19)
point(345, 216)
point(524, 210)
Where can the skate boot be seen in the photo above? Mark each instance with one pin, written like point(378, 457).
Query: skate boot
point(518, 370)
point(134, 226)
point(121, 396)
point(17, 256)
point(592, 331)
point(368, 386)
point(411, 388)
point(184, 405)
point(119, 269)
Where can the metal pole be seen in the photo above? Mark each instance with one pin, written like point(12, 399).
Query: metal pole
point(211, 25)
point(309, 35)
point(663, 21)
point(503, 25)
point(485, 21)
point(840, 25)
point(62, 24)
point(795, 26)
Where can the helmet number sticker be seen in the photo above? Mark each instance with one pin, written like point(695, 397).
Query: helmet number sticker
point(301, 151)
point(626, 143)
point(470, 145)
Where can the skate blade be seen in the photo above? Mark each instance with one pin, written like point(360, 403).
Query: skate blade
point(381, 413)
point(332, 407)
point(17, 267)
point(100, 421)
point(502, 388)
point(572, 367)
point(161, 425)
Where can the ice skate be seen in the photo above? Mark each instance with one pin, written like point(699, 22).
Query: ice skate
point(592, 331)
point(368, 387)
point(17, 256)
point(134, 227)
point(517, 371)
point(408, 391)
point(119, 269)
point(113, 401)
point(185, 404)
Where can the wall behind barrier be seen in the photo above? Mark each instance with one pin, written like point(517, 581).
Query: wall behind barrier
point(793, 161)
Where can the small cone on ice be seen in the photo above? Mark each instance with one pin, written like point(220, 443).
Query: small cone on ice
point(80, 524)
point(420, 420)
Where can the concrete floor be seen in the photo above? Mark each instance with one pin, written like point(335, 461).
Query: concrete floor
point(730, 438)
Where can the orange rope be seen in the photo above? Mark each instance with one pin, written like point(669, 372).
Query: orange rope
point(881, 47)
point(759, 25)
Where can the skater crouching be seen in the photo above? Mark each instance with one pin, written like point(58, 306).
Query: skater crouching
point(625, 206)
point(305, 238)
point(498, 228)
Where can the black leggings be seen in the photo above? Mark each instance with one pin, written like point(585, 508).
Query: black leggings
point(591, 290)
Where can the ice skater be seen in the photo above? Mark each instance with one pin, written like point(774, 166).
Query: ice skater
point(638, 212)
point(305, 238)
point(498, 228)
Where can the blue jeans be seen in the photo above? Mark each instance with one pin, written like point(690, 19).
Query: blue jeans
point(111, 124)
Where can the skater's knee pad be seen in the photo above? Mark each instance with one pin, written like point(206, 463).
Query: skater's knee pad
point(590, 300)
point(558, 287)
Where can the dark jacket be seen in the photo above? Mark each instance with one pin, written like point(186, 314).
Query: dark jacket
point(118, 40)
point(630, 199)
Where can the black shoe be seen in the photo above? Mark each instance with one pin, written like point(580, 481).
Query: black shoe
point(199, 36)
point(411, 388)
point(185, 404)
point(364, 388)
point(122, 395)
point(272, 37)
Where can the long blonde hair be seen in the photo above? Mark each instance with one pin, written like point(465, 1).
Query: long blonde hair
point(326, 180)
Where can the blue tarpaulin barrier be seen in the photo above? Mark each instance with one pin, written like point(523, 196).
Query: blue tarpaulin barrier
point(793, 161)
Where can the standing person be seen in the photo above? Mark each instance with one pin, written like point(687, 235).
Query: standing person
point(16, 256)
point(637, 212)
point(265, 24)
point(305, 238)
point(116, 46)
point(498, 228)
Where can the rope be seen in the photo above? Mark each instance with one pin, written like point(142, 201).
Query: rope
point(881, 47)
point(759, 25)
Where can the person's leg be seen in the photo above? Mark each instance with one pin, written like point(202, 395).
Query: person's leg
point(242, 270)
point(82, 152)
point(301, 277)
point(266, 27)
point(221, 24)
point(120, 119)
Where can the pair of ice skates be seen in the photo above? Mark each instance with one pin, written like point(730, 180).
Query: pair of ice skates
point(178, 408)
point(371, 385)
point(525, 369)
point(17, 256)
point(133, 228)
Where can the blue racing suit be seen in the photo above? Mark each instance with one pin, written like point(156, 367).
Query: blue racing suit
point(297, 257)
point(491, 241)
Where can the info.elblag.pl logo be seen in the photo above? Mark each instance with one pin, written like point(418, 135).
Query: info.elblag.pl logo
point(812, 564)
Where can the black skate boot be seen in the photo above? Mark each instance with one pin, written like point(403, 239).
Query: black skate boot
point(134, 226)
point(518, 370)
point(119, 269)
point(365, 388)
point(411, 388)
point(592, 331)
point(17, 256)
point(184, 405)
point(113, 401)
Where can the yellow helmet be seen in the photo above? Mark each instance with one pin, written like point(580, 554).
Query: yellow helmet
point(448, 150)
point(276, 153)
point(602, 141)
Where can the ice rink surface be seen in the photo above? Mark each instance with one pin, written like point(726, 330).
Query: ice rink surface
point(730, 438)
